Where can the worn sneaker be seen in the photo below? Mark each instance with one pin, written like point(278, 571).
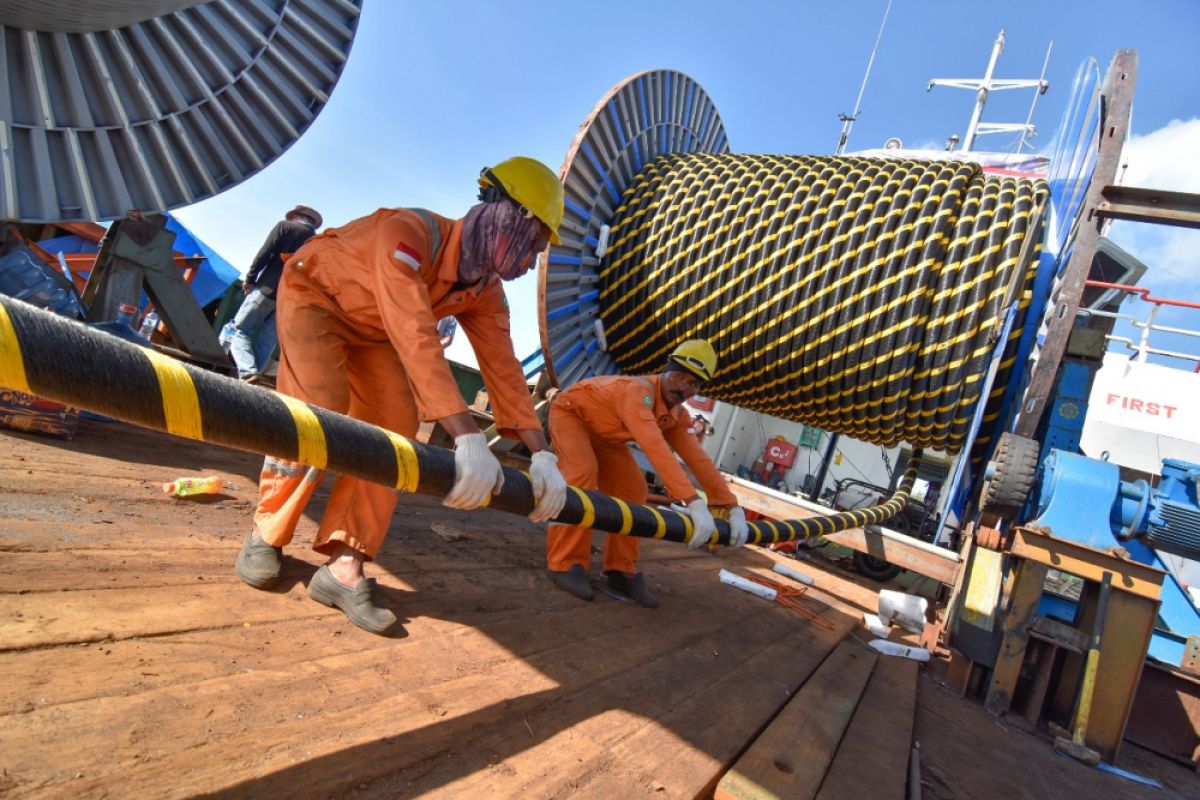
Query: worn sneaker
point(258, 563)
point(358, 603)
point(574, 580)
point(633, 587)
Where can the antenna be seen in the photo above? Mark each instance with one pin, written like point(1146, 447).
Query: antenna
point(848, 119)
point(1030, 130)
point(983, 86)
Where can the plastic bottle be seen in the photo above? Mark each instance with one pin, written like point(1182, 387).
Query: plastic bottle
point(149, 324)
point(225, 338)
point(122, 325)
point(184, 487)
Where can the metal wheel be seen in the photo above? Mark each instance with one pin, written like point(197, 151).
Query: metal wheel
point(874, 568)
point(1015, 465)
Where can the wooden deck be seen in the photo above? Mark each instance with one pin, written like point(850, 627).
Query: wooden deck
point(134, 663)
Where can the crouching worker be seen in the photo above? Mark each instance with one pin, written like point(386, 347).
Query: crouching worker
point(358, 311)
point(591, 424)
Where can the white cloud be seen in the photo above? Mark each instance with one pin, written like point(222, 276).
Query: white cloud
point(1166, 159)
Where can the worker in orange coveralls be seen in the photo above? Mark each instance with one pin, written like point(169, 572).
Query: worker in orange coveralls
point(358, 312)
point(591, 424)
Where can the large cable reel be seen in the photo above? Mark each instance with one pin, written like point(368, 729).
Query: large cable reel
point(862, 296)
point(110, 106)
point(645, 116)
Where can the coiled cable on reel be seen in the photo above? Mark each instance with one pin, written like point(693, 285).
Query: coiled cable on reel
point(860, 296)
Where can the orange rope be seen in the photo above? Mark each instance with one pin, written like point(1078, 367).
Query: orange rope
point(789, 596)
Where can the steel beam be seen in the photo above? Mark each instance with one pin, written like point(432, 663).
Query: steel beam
point(1181, 209)
point(1090, 564)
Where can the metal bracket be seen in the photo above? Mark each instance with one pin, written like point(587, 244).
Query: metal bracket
point(1181, 209)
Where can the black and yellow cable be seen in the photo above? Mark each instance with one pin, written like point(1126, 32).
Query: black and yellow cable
point(56, 358)
point(860, 296)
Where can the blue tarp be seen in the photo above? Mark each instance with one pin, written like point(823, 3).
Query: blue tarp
point(213, 277)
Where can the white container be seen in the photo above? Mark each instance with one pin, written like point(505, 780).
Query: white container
point(902, 650)
point(799, 577)
point(765, 592)
point(905, 610)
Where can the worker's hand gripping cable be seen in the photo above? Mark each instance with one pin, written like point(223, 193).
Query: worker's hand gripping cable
point(549, 486)
point(739, 530)
point(478, 473)
point(703, 524)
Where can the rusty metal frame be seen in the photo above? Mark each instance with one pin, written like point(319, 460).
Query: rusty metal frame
point(1117, 92)
point(1077, 559)
point(1181, 209)
point(1132, 612)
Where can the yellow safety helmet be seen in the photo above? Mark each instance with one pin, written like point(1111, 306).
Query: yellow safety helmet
point(697, 357)
point(529, 183)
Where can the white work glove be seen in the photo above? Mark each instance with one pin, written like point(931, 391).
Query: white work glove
point(478, 473)
point(739, 531)
point(703, 525)
point(549, 487)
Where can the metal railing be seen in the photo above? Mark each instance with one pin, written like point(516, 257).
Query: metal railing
point(1142, 347)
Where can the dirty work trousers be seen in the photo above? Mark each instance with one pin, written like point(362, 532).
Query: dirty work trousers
point(590, 462)
point(326, 361)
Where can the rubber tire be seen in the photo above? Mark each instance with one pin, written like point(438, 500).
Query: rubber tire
point(1016, 463)
point(874, 568)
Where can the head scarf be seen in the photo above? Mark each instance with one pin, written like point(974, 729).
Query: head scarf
point(498, 239)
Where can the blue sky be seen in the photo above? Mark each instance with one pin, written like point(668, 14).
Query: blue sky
point(434, 91)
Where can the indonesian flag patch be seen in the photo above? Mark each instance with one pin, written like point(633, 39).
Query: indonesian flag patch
point(407, 255)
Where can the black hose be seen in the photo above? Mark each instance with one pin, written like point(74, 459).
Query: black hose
point(52, 357)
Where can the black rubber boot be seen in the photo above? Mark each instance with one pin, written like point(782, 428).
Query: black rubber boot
point(258, 563)
point(633, 587)
point(574, 580)
point(358, 603)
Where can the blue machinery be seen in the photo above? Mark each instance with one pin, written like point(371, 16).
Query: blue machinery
point(1085, 500)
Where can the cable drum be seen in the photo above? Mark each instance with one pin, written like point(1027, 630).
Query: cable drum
point(860, 296)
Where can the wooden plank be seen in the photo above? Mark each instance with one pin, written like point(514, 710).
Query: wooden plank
point(667, 728)
point(685, 749)
point(1027, 591)
point(407, 701)
point(790, 758)
point(503, 686)
point(942, 568)
point(933, 562)
point(875, 749)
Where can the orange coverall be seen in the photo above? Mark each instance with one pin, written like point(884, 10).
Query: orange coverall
point(358, 311)
point(591, 424)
